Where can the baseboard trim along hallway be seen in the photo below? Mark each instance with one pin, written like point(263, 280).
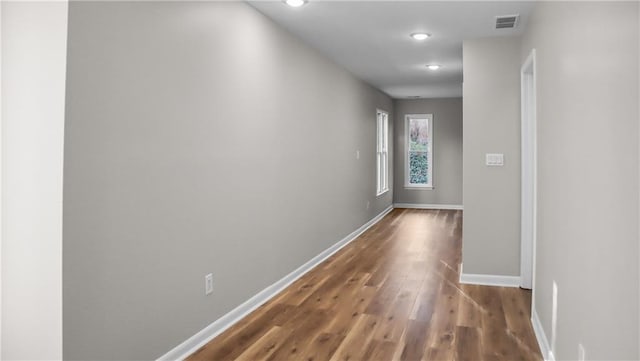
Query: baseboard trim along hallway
point(488, 280)
point(543, 341)
point(198, 340)
point(454, 207)
point(391, 294)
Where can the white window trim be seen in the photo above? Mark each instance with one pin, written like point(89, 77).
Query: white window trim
point(380, 151)
point(408, 185)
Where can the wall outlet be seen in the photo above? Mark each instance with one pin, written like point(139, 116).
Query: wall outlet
point(208, 284)
point(582, 355)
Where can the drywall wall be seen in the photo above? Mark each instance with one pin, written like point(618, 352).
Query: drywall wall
point(491, 123)
point(34, 36)
point(200, 137)
point(587, 233)
point(447, 153)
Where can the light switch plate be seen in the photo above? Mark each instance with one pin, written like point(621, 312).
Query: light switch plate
point(208, 284)
point(495, 159)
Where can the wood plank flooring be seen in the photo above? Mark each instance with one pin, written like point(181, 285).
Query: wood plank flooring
point(392, 294)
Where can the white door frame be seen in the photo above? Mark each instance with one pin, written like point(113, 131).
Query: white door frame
point(529, 172)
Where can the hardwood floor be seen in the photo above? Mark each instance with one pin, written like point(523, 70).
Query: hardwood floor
point(392, 294)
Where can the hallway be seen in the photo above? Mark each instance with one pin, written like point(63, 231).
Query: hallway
point(392, 294)
point(175, 176)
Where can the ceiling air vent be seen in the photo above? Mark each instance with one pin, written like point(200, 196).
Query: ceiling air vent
point(507, 21)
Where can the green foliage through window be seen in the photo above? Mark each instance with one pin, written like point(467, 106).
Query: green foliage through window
point(419, 142)
point(418, 168)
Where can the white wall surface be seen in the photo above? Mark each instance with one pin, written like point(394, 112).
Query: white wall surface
point(1, 235)
point(34, 36)
point(587, 233)
point(491, 124)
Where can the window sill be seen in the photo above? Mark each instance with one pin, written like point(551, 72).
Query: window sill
point(419, 188)
point(382, 193)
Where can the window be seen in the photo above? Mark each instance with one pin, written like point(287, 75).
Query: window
point(419, 151)
point(382, 154)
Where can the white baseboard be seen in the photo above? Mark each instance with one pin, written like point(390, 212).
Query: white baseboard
point(488, 280)
point(198, 340)
point(428, 206)
point(543, 342)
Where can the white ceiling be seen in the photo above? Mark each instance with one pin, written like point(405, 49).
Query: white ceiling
point(371, 38)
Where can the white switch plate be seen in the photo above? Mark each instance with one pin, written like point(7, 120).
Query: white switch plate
point(208, 284)
point(495, 159)
point(357, 154)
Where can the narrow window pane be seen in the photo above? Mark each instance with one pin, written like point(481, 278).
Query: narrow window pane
point(382, 171)
point(418, 134)
point(418, 147)
point(418, 168)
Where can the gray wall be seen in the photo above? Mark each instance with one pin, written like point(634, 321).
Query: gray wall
point(587, 233)
point(491, 93)
point(200, 138)
point(447, 152)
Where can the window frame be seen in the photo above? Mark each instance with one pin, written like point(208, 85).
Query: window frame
point(407, 170)
point(382, 152)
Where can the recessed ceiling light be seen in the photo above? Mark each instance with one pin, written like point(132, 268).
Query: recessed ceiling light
point(295, 3)
point(420, 36)
point(433, 66)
